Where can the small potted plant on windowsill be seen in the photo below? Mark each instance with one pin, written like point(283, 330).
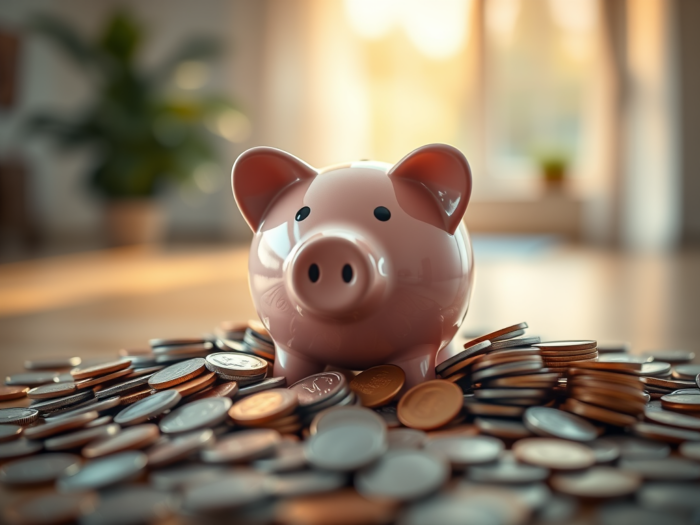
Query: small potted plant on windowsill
point(553, 169)
point(142, 134)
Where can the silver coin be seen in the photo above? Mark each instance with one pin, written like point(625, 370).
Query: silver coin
point(463, 451)
point(388, 414)
point(630, 514)
point(690, 450)
point(235, 364)
point(182, 475)
point(550, 422)
point(344, 416)
point(296, 484)
point(80, 437)
point(92, 406)
point(179, 448)
point(634, 447)
point(289, 457)
point(394, 475)
point(507, 470)
point(401, 438)
point(19, 416)
point(38, 469)
point(346, 448)
point(148, 407)
point(448, 510)
point(9, 432)
point(507, 369)
point(19, 448)
point(49, 405)
point(131, 505)
point(243, 446)
point(265, 384)
point(312, 391)
point(236, 489)
point(624, 358)
point(502, 428)
point(513, 343)
point(508, 393)
point(126, 386)
point(32, 378)
point(198, 414)
point(104, 472)
point(466, 353)
point(662, 469)
point(688, 372)
point(668, 497)
point(604, 450)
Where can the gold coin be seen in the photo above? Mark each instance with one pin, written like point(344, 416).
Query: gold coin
point(378, 385)
point(430, 405)
point(264, 407)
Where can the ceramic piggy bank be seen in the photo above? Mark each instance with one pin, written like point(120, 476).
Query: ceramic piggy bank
point(358, 264)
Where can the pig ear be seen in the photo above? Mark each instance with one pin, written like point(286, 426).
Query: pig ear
point(444, 174)
point(259, 175)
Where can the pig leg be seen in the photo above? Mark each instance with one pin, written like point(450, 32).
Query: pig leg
point(293, 367)
point(418, 363)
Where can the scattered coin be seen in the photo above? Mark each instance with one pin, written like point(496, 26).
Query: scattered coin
point(665, 433)
point(101, 369)
point(264, 407)
point(378, 385)
point(198, 414)
point(121, 388)
point(687, 372)
point(48, 508)
point(177, 373)
point(401, 438)
point(316, 390)
point(51, 390)
point(228, 492)
point(683, 402)
point(597, 482)
point(605, 450)
point(387, 477)
point(132, 438)
point(502, 428)
point(9, 432)
point(131, 504)
point(555, 454)
point(91, 382)
point(59, 425)
point(228, 389)
point(80, 437)
point(289, 456)
point(148, 408)
point(346, 415)
point(52, 363)
point(550, 422)
point(195, 385)
point(19, 416)
point(8, 393)
point(242, 447)
point(662, 469)
point(38, 469)
point(179, 448)
point(346, 448)
point(233, 363)
point(463, 451)
point(430, 405)
point(690, 450)
point(449, 365)
point(265, 384)
point(19, 448)
point(32, 378)
point(104, 472)
point(92, 405)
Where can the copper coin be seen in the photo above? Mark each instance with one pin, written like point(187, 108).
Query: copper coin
point(340, 507)
point(51, 363)
point(80, 437)
point(489, 360)
point(674, 419)
point(179, 448)
point(568, 345)
point(177, 373)
point(661, 382)
point(597, 413)
point(400, 438)
point(314, 390)
point(525, 365)
point(49, 508)
point(132, 438)
point(512, 343)
point(508, 332)
point(378, 385)
point(35, 470)
point(148, 408)
point(196, 415)
point(613, 403)
point(683, 402)
point(89, 383)
point(471, 349)
point(565, 359)
point(195, 385)
point(664, 433)
point(51, 390)
point(526, 381)
point(600, 375)
point(597, 482)
point(130, 399)
point(622, 391)
point(243, 447)
point(621, 367)
point(32, 378)
point(60, 425)
point(556, 454)
point(10, 432)
point(264, 407)
point(18, 416)
point(104, 472)
point(100, 369)
point(13, 392)
point(228, 389)
point(430, 405)
point(19, 448)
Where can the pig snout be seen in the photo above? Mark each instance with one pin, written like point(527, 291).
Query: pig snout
point(336, 275)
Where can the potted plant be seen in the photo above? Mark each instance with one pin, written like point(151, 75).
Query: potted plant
point(143, 134)
point(553, 169)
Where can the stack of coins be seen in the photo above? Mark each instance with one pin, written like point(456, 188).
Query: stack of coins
point(559, 356)
point(173, 350)
point(211, 438)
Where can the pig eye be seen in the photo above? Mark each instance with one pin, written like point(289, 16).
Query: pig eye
point(381, 213)
point(303, 213)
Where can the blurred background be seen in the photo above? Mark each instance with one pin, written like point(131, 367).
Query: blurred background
point(120, 120)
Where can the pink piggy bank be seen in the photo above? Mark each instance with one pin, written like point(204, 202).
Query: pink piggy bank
point(357, 264)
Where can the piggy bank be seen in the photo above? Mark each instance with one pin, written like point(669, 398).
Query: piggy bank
point(357, 264)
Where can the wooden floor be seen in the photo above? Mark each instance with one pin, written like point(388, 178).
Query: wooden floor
point(92, 304)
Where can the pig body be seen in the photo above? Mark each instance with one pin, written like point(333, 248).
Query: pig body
point(359, 264)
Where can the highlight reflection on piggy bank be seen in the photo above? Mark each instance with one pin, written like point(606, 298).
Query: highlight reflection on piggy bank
point(358, 264)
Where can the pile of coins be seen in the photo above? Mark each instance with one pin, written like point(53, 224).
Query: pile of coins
point(515, 430)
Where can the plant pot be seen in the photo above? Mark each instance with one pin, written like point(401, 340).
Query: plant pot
point(134, 221)
point(554, 177)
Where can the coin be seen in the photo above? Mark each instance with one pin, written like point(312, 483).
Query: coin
point(387, 477)
point(616, 366)
point(51, 363)
point(133, 397)
point(430, 405)
point(687, 372)
point(295, 484)
point(690, 450)
point(597, 482)
point(13, 392)
point(104, 472)
point(47, 508)
point(597, 413)
point(131, 504)
point(228, 389)
point(51, 390)
point(85, 372)
point(683, 402)
point(80, 437)
point(196, 415)
point(265, 384)
point(315, 390)
point(346, 415)
point(670, 497)
point(526, 365)
point(400, 438)
point(502, 428)
point(289, 456)
point(148, 408)
point(9, 432)
point(243, 446)
point(19, 416)
point(32, 378)
point(378, 385)
point(181, 475)
point(91, 382)
point(605, 450)
point(452, 509)
point(463, 451)
point(91, 405)
point(177, 373)
point(227, 492)
point(662, 469)
point(512, 343)
point(634, 448)
point(19, 448)
point(470, 350)
point(195, 385)
point(346, 448)
point(555, 454)
point(38, 469)
point(489, 409)
point(665, 433)
point(508, 332)
point(132, 438)
point(232, 363)
point(59, 425)
point(624, 358)
point(550, 422)
point(508, 470)
point(177, 341)
point(121, 388)
point(263, 407)
point(674, 419)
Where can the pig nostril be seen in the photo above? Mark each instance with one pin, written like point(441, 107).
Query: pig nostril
point(347, 273)
point(314, 273)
